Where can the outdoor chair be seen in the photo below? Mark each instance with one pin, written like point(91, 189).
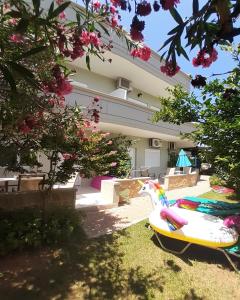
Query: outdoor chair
point(144, 172)
point(31, 182)
point(170, 171)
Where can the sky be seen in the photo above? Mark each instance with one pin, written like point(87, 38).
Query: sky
point(158, 24)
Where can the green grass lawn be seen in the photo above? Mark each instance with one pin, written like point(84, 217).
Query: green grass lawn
point(125, 265)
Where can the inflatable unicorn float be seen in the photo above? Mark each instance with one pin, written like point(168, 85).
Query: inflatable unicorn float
point(188, 225)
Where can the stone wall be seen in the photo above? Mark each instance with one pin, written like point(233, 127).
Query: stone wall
point(121, 190)
point(181, 180)
point(38, 199)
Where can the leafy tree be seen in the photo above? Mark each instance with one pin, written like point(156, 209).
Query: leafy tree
point(34, 48)
point(116, 155)
point(206, 25)
point(216, 113)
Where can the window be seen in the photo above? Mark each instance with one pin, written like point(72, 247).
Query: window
point(152, 158)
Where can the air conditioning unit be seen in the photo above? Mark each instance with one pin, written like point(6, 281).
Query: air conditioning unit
point(155, 143)
point(171, 146)
point(123, 83)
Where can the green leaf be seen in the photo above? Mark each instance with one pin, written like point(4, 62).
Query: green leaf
point(174, 30)
point(166, 42)
point(88, 62)
point(51, 8)
point(176, 16)
point(36, 5)
point(104, 29)
point(8, 77)
point(195, 7)
point(32, 52)
point(59, 9)
point(21, 69)
point(22, 25)
point(183, 52)
point(14, 14)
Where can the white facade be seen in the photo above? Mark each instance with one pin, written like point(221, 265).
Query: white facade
point(129, 112)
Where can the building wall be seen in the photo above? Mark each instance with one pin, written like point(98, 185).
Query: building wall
point(107, 85)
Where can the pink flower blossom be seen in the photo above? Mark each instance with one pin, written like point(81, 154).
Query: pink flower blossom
point(113, 10)
point(12, 21)
point(96, 5)
point(144, 53)
point(109, 142)
point(168, 4)
point(116, 3)
point(105, 134)
point(85, 38)
point(114, 22)
point(169, 69)
point(59, 2)
point(144, 8)
point(113, 164)
point(136, 35)
point(94, 39)
point(62, 16)
point(64, 87)
point(205, 58)
point(16, 38)
point(96, 99)
point(23, 128)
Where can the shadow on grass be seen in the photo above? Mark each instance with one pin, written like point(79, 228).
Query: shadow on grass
point(194, 252)
point(82, 269)
point(191, 295)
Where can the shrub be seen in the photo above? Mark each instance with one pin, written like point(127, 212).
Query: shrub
point(30, 228)
point(215, 180)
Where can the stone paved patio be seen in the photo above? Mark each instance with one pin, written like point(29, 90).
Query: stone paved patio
point(101, 222)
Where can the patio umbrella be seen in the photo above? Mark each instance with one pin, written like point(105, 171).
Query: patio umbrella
point(183, 160)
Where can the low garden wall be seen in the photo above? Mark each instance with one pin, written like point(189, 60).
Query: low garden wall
point(38, 199)
point(181, 180)
point(121, 190)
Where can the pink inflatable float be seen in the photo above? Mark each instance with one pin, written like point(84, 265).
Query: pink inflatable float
point(174, 220)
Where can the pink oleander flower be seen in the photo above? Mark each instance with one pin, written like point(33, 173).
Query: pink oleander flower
point(23, 128)
point(116, 3)
point(94, 39)
point(59, 2)
point(62, 16)
point(64, 87)
point(85, 38)
point(96, 5)
point(66, 156)
point(87, 124)
point(114, 22)
point(12, 21)
point(96, 99)
point(109, 142)
point(136, 35)
point(105, 134)
point(145, 53)
point(135, 52)
point(168, 4)
point(169, 69)
point(144, 8)
point(16, 38)
point(113, 10)
point(205, 58)
point(113, 164)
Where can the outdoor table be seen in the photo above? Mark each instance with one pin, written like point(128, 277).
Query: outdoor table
point(6, 181)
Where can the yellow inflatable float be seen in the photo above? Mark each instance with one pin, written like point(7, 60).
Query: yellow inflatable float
point(192, 227)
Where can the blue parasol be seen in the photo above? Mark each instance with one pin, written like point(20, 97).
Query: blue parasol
point(183, 160)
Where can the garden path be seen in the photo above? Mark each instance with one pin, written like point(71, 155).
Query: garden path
point(100, 222)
